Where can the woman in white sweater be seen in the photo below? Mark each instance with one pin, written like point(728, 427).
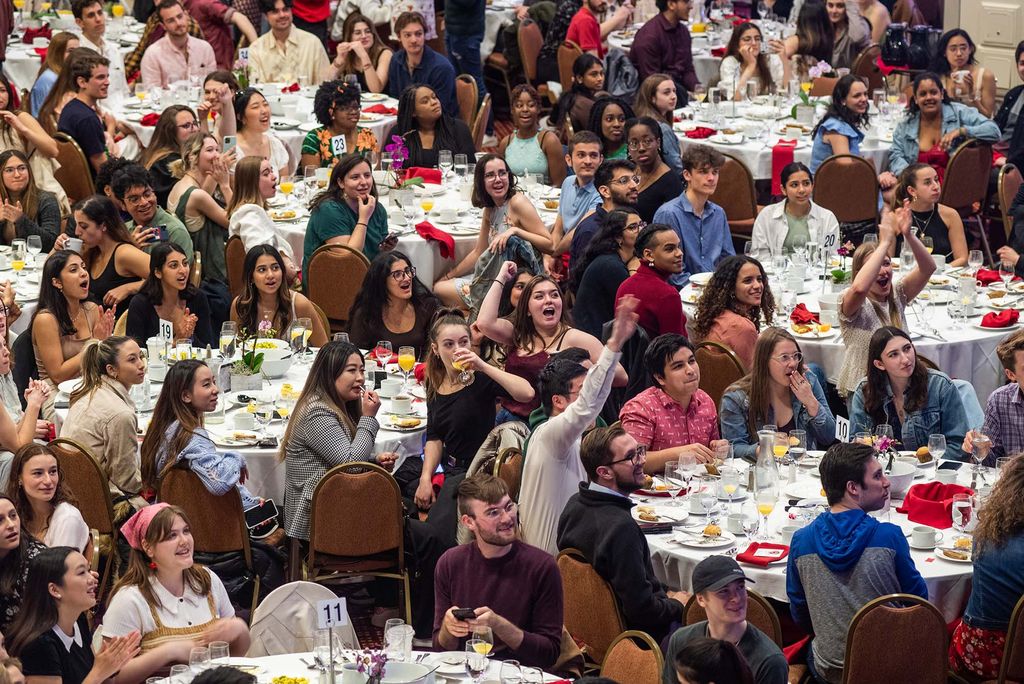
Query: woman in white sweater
point(255, 182)
point(782, 227)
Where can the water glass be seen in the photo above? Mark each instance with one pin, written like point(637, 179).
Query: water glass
point(797, 445)
point(219, 651)
point(707, 494)
point(907, 260)
point(884, 430)
point(228, 333)
point(673, 481)
point(937, 446)
point(340, 337)
point(982, 445)
point(180, 674)
point(199, 659)
point(476, 661)
point(963, 507)
point(461, 163)
point(751, 521)
point(511, 672)
point(975, 259)
point(1005, 272)
point(687, 469)
point(445, 161)
point(398, 642)
point(753, 88)
point(730, 482)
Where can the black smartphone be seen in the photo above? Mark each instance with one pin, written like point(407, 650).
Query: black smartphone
point(949, 465)
point(464, 613)
point(161, 233)
point(391, 238)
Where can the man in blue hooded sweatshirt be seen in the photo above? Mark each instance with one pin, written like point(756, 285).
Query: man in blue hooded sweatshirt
point(846, 558)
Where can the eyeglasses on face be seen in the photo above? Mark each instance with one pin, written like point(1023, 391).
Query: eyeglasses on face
point(786, 358)
point(189, 126)
point(407, 272)
point(635, 457)
point(491, 175)
point(19, 169)
point(494, 513)
point(626, 180)
point(635, 227)
point(642, 142)
point(135, 198)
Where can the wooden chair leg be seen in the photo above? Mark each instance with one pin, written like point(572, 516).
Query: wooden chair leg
point(294, 560)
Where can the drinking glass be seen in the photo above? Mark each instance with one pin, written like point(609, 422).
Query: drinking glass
point(907, 260)
point(296, 333)
point(485, 635)
point(878, 97)
point(928, 243)
point(34, 245)
point(533, 675)
point(398, 640)
point(445, 161)
point(937, 446)
point(779, 263)
point(781, 447)
point(982, 446)
point(687, 469)
point(752, 87)
point(730, 482)
point(309, 177)
point(1005, 273)
point(766, 499)
point(264, 414)
point(797, 445)
point(751, 521)
point(286, 186)
point(884, 430)
point(974, 260)
point(219, 651)
point(748, 248)
point(461, 162)
point(383, 352)
point(340, 337)
point(180, 674)
point(228, 333)
point(510, 672)
point(476, 659)
point(706, 494)
point(863, 438)
point(871, 237)
point(406, 361)
point(426, 204)
point(465, 370)
point(724, 452)
point(673, 481)
point(18, 251)
point(963, 508)
point(199, 659)
point(700, 93)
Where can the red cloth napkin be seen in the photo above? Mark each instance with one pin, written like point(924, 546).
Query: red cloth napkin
point(802, 315)
point(749, 556)
point(445, 242)
point(293, 88)
point(419, 371)
point(150, 119)
point(796, 653)
point(987, 276)
point(41, 52)
point(931, 503)
point(41, 32)
point(718, 52)
point(381, 109)
point(883, 67)
point(428, 175)
point(782, 154)
point(1003, 319)
point(700, 132)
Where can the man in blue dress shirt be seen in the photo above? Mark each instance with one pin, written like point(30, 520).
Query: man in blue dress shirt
point(418, 64)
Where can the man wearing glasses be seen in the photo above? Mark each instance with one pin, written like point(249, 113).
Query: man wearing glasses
point(597, 522)
point(571, 398)
point(617, 183)
point(150, 224)
point(498, 586)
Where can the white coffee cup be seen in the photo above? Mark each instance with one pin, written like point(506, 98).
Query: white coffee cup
point(390, 387)
point(922, 535)
point(946, 476)
point(74, 244)
point(448, 215)
point(794, 132)
point(244, 420)
point(787, 532)
point(734, 523)
point(401, 404)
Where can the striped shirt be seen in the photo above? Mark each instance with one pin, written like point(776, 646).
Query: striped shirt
point(1004, 415)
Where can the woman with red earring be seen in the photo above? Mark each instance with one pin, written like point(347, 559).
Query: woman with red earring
point(173, 603)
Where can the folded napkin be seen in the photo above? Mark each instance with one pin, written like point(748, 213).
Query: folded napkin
point(883, 67)
point(718, 52)
point(41, 52)
point(700, 132)
point(150, 119)
point(428, 175)
point(931, 503)
point(41, 32)
point(796, 653)
point(419, 371)
point(987, 276)
point(293, 88)
point(782, 156)
point(802, 315)
point(381, 109)
point(763, 553)
point(445, 242)
point(1003, 319)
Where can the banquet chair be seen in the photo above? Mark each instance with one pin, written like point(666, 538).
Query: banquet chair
point(719, 368)
point(367, 496)
point(865, 67)
point(509, 468)
point(1012, 667)
point(74, 174)
point(965, 186)
point(531, 40)
point(592, 613)
point(480, 122)
point(468, 95)
point(217, 522)
point(736, 195)
point(121, 324)
point(1008, 184)
point(759, 613)
point(915, 641)
point(847, 185)
point(567, 54)
point(822, 86)
point(234, 253)
point(94, 503)
point(285, 621)
point(333, 278)
point(633, 657)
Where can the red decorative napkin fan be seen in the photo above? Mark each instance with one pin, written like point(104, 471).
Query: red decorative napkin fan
point(931, 503)
point(150, 119)
point(1003, 319)
point(432, 176)
point(802, 315)
point(763, 553)
point(41, 32)
point(700, 132)
point(987, 276)
point(381, 109)
point(782, 156)
point(293, 88)
point(445, 242)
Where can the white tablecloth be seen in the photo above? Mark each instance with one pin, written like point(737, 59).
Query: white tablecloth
point(21, 63)
point(495, 18)
point(949, 582)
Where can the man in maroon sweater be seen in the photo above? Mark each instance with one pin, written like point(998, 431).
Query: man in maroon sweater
point(510, 586)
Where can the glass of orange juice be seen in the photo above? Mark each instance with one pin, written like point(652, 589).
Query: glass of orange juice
point(117, 10)
point(287, 185)
point(406, 361)
point(426, 204)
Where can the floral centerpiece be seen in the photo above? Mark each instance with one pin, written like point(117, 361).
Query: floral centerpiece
point(371, 663)
point(819, 70)
point(886, 448)
point(840, 276)
point(246, 371)
point(240, 71)
point(399, 155)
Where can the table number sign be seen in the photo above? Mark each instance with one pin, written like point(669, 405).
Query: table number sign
point(338, 145)
point(842, 429)
point(166, 331)
point(331, 613)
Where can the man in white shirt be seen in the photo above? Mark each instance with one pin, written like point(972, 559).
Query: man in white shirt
point(287, 53)
point(572, 399)
point(92, 23)
point(177, 55)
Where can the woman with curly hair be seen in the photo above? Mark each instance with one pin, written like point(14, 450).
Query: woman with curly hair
point(528, 149)
point(608, 119)
point(336, 107)
point(656, 100)
point(392, 305)
point(608, 260)
point(732, 305)
point(979, 641)
point(841, 129)
point(427, 129)
point(744, 61)
point(361, 53)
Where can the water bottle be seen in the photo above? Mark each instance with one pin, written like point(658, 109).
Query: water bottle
point(766, 471)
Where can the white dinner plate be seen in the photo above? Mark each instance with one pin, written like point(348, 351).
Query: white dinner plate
point(389, 424)
point(448, 662)
point(236, 438)
point(284, 124)
point(676, 517)
point(701, 279)
point(939, 297)
point(940, 553)
point(690, 297)
point(940, 281)
point(374, 97)
point(807, 489)
point(1009, 328)
point(722, 139)
point(814, 334)
point(1001, 303)
point(698, 541)
point(369, 117)
point(285, 215)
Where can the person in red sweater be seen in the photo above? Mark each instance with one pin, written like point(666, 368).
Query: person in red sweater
point(661, 255)
point(587, 31)
point(510, 586)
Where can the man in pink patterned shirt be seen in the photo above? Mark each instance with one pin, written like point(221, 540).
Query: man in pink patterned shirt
point(674, 416)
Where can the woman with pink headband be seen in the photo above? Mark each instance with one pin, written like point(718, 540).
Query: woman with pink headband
point(173, 603)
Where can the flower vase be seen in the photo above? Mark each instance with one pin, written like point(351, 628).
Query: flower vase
point(805, 114)
point(242, 383)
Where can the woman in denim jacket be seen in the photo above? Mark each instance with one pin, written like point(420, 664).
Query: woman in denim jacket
point(779, 390)
point(901, 391)
point(935, 126)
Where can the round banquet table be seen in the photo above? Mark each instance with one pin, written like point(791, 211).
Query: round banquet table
point(964, 352)
point(266, 471)
point(949, 582)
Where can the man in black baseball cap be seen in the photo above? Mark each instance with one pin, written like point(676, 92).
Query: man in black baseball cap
point(720, 587)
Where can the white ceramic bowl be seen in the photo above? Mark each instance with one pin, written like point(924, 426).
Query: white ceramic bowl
point(900, 478)
point(405, 673)
point(276, 362)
